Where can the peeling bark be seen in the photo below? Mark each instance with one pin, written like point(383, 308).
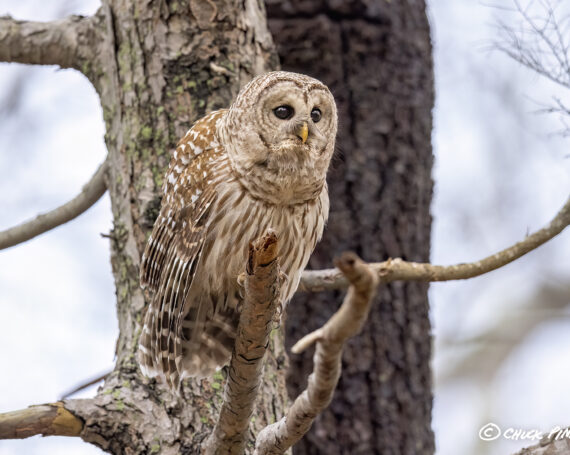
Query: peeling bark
point(46, 419)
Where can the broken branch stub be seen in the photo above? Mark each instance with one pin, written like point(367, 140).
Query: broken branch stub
point(260, 304)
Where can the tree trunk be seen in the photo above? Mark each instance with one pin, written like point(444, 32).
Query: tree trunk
point(161, 66)
point(376, 58)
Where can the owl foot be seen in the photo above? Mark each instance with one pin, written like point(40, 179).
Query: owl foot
point(283, 278)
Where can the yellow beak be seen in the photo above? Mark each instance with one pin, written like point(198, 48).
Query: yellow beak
point(303, 132)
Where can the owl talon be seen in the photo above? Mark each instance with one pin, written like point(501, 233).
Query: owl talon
point(283, 278)
point(241, 285)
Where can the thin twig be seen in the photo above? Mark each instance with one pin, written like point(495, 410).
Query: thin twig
point(45, 419)
point(539, 44)
point(275, 439)
point(397, 269)
point(244, 375)
point(89, 195)
point(84, 385)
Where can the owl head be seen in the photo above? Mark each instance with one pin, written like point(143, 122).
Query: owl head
point(280, 135)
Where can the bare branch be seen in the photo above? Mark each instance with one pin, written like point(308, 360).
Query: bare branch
point(397, 269)
point(63, 42)
point(275, 439)
point(555, 443)
point(89, 195)
point(46, 419)
point(244, 374)
point(539, 43)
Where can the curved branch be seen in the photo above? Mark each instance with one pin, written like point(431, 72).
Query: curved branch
point(397, 269)
point(246, 365)
point(89, 195)
point(63, 42)
point(46, 419)
point(275, 439)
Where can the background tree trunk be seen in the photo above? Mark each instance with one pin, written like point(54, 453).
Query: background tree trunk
point(376, 58)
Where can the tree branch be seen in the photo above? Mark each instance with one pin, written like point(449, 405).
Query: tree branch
point(397, 269)
point(556, 443)
point(45, 419)
point(245, 370)
point(62, 42)
point(85, 384)
point(89, 195)
point(275, 439)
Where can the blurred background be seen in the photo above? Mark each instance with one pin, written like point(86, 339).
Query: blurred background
point(502, 170)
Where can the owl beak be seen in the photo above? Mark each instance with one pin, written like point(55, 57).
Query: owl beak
point(303, 132)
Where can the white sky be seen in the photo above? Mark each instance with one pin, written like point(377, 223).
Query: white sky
point(499, 174)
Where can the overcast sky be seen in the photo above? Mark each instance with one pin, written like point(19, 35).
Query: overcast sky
point(499, 175)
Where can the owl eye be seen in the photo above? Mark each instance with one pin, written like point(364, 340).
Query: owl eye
point(283, 112)
point(316, 114)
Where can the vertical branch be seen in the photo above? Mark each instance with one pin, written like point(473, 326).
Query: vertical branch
point(245, 370)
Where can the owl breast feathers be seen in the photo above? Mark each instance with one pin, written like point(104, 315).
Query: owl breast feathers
point(260, 164)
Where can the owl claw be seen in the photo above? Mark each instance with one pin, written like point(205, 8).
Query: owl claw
point(283, 278)
point(241, 285)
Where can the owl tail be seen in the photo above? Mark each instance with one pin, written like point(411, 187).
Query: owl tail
point(197, 344)
point(206, 341)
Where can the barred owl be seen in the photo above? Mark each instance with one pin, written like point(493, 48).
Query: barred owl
point(260, 164)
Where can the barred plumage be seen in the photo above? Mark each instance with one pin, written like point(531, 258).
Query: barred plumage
point(236, 173)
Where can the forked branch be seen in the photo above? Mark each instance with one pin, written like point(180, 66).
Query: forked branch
point(275, 439)
point(540, 42)
point(245, 371)
point(89, 195)
point(397, 269)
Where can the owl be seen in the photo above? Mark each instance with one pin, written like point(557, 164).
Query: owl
point(237, 172)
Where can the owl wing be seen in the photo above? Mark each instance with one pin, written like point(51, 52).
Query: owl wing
point(175, 244)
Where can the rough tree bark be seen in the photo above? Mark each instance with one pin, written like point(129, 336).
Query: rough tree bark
point(376, 58)
point(162, 66)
